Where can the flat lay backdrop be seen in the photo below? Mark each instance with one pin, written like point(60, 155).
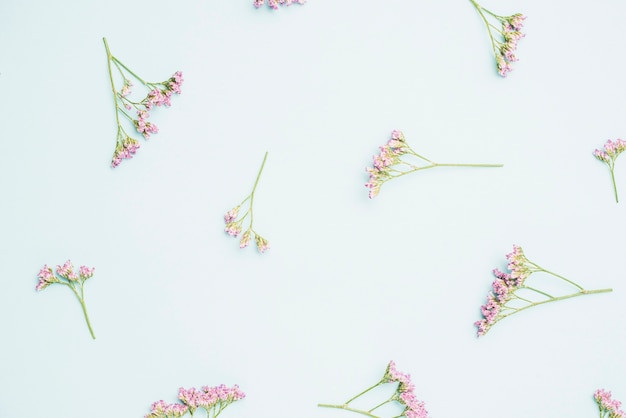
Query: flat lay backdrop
point(349, 283)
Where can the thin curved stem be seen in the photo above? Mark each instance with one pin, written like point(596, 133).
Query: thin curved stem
point(347, 408)
point(482, 15)
point(254, 188)
point(614, 185)
point(573, 295)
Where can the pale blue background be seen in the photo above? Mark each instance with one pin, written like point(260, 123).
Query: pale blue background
point(349, 283)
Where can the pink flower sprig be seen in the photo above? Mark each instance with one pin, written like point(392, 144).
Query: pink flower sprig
point(275, 3)
point(65, 275)
point(212, 399)
point(612, 150)
point(158, 94)
point(504, 37)
point(388, 164)
point(403, 395)
point(234, 223)
point(609, 407)
point(511, 294)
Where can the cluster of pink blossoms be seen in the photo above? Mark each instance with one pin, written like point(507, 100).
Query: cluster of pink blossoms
point(65, 275)
point(275, 3)
point(158, 94)
point(404, 395)
point(612, 150)
point(609, 407)
point(503, 288)
point(211, 399)
point(389, 156)
point(234, 224)
point(506, 286)
point(504, 43)
point(414, 408)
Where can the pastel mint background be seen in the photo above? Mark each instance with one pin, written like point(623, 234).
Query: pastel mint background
point(348, 283)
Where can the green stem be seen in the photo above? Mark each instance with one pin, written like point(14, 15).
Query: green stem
point(538, 291)
point(614, 185)
point(381, 404)
point(109, 58)
point(482, 15)
point(468, 165)
point(82, 304)
point(347, 408)
point(557, 275)
point(130, 71)
point(254, 189)
point(364, 392)
point(573, 295)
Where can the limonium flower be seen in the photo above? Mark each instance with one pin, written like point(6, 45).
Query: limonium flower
point(403, 395)
point(505, 33)
point(609, 407)
point(612, 150)
point(234, 222)
point(275, 3)
point(394, 160)
point(65, 275)
point(137, 112)
point(212, 399)
point(511, 292)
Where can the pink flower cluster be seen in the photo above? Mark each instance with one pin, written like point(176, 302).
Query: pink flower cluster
point(208, 398)
point(503, 288)
point(612, 149)
point(124, 150)
point(234, 228)
point(609, 407)
point(161, 409)
point(275, 3)
point(66, 271)
point(414, 408)
point(46, 278)
point(390, 154)
point(511, 32)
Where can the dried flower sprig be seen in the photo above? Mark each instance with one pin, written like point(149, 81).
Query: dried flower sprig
point(504, 38)
point(612, 150)
point(212, 399)
point(234, 226)
point(66, 276)
point(388, 165)
point(609, 407)
point(511, 294)
point(158, 94)
point(403, 394)
point(274, 3)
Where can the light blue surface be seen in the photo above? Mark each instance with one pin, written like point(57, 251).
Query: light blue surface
point(348, 283)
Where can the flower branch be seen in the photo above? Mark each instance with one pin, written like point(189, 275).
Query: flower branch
point(234, 226)
point(504, 38)
point(389, 164)
point(66, 276)
point(403, 395)
point(506, 298)
point(158, 94)
point(609, 407)
point(611, 151)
